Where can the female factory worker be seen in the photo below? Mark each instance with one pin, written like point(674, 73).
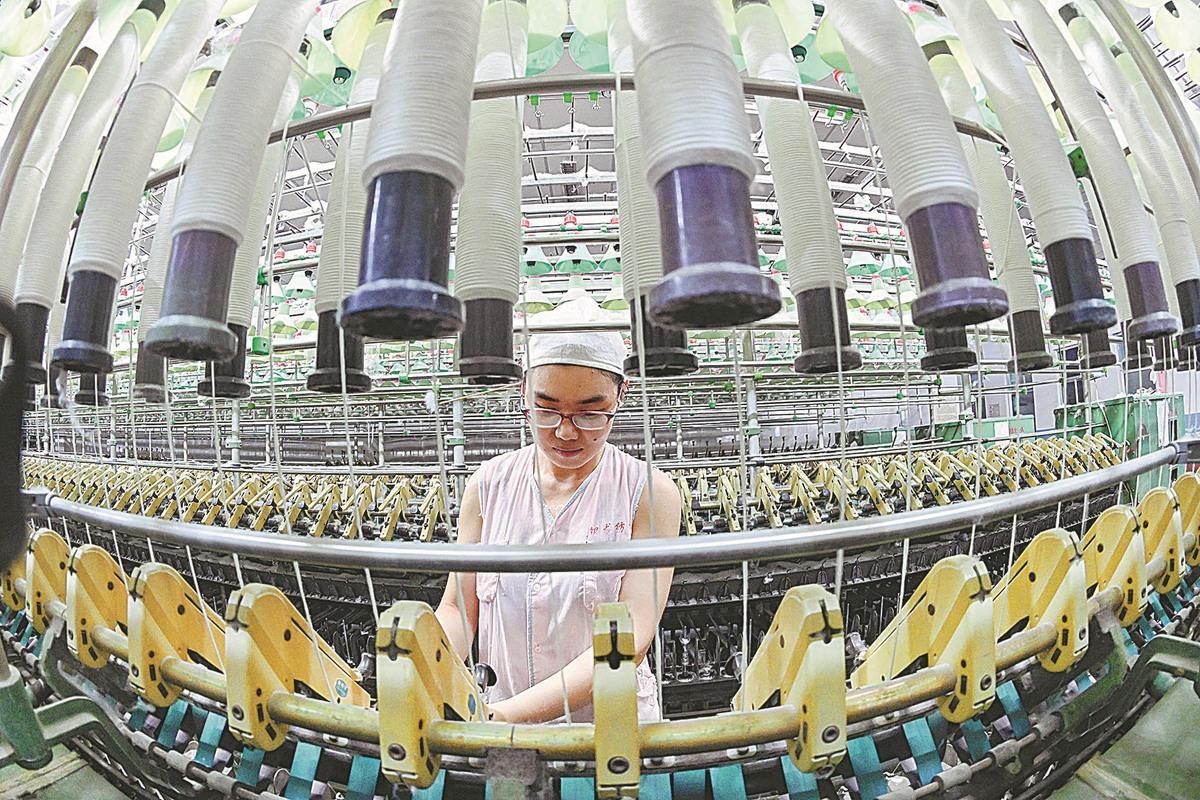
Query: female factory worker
point(570, 487)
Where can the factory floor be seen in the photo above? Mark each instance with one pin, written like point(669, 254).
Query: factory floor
point(67, 777)
point(1159, 759)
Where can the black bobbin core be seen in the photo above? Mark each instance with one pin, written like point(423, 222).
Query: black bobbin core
point(1188, 356)
point(1188, 294)
point(195, 299)
point(86, 323)
point(667, 353)
point(824, 333)
point(93, 389)
point(1095, 352)
point(227, 379)
point(711, 277)
point(1148, 302)
point(1139, 356)
point(402, 290)
point(952, 271)
point(327, 377)
point(50, 399)
point(1079, 304)
point(35, 319)
point(946, 349)
point(485, 344)
point(1028, 342)
point(150, 377)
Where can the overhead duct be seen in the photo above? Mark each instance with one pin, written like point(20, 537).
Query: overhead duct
point(1167, 196)
point(31, 175)
point(102, 239)
point(1133, 237)
point(341, 242)
point(487, 254)
point(665, 349)
point(40, 278)
point(1049, 183)
point(816, 270)
point(699, 162)
point(415, 163)
point(214, 201)
point(932, 188)
point(1006, 234)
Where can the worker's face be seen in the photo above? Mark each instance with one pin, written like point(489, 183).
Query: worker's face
point(570, 389)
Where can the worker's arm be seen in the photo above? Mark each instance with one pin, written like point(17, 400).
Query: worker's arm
point(544, 701)
point(459, 610)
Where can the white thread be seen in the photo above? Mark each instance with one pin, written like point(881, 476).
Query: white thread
point(102, 240)
point(641, 250)
point(810, 233)
point(1130, 225)
point(1010, 252)
point(488, 248)
point(1179, 249)
point(689, 94)
point(245, 263)
point(911, 125)
point(341, 242)
point(31, 176)
point(1049, 183)
point(219, 185)
point(40, 277)
point(424, 99)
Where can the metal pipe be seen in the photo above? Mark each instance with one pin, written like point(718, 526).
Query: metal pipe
point(721, 548)
point(557, 84)
point(1172, 107)
point(38, 94)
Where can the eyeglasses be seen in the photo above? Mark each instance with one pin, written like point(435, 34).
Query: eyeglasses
point(583, 420)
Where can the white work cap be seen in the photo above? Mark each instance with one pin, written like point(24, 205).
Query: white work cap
point(599, 350)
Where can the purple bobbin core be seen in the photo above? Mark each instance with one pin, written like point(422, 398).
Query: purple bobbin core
point(1028, 342)
point(195, 299)
point(947, 250)
point(666, 349)
point(1095, 352)
point(149, 379)
point(1188, 294)
point(402, 292)
point(35, 317)
point(485, 355)
point(327, 376)
point(1148, 302)
point(227, 379)
point(824, 333)
point(947, 349)
point(86, 323)
point(1079, 304)
point(710, 255)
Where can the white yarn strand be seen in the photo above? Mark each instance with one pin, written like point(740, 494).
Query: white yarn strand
point(641, 250)
point(488, 248)
point(1046, 175)
point(1130, 224)
point(249, 252)
point(909, 122)
point(102, 240)
point(689, 94)
point(31, 175)
point(810, 233)
point(341, 242)
point(424, 100)
point(219, 185)
point(1006, 234)
point(40, 277)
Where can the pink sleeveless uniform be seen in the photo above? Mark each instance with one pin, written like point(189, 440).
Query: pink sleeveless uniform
point(531, 625)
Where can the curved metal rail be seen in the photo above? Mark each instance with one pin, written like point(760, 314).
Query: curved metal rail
point(712, 549)
point(554, 84)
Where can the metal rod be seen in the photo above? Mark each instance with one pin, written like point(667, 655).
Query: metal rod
point(721, 548)
point(556, 84)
